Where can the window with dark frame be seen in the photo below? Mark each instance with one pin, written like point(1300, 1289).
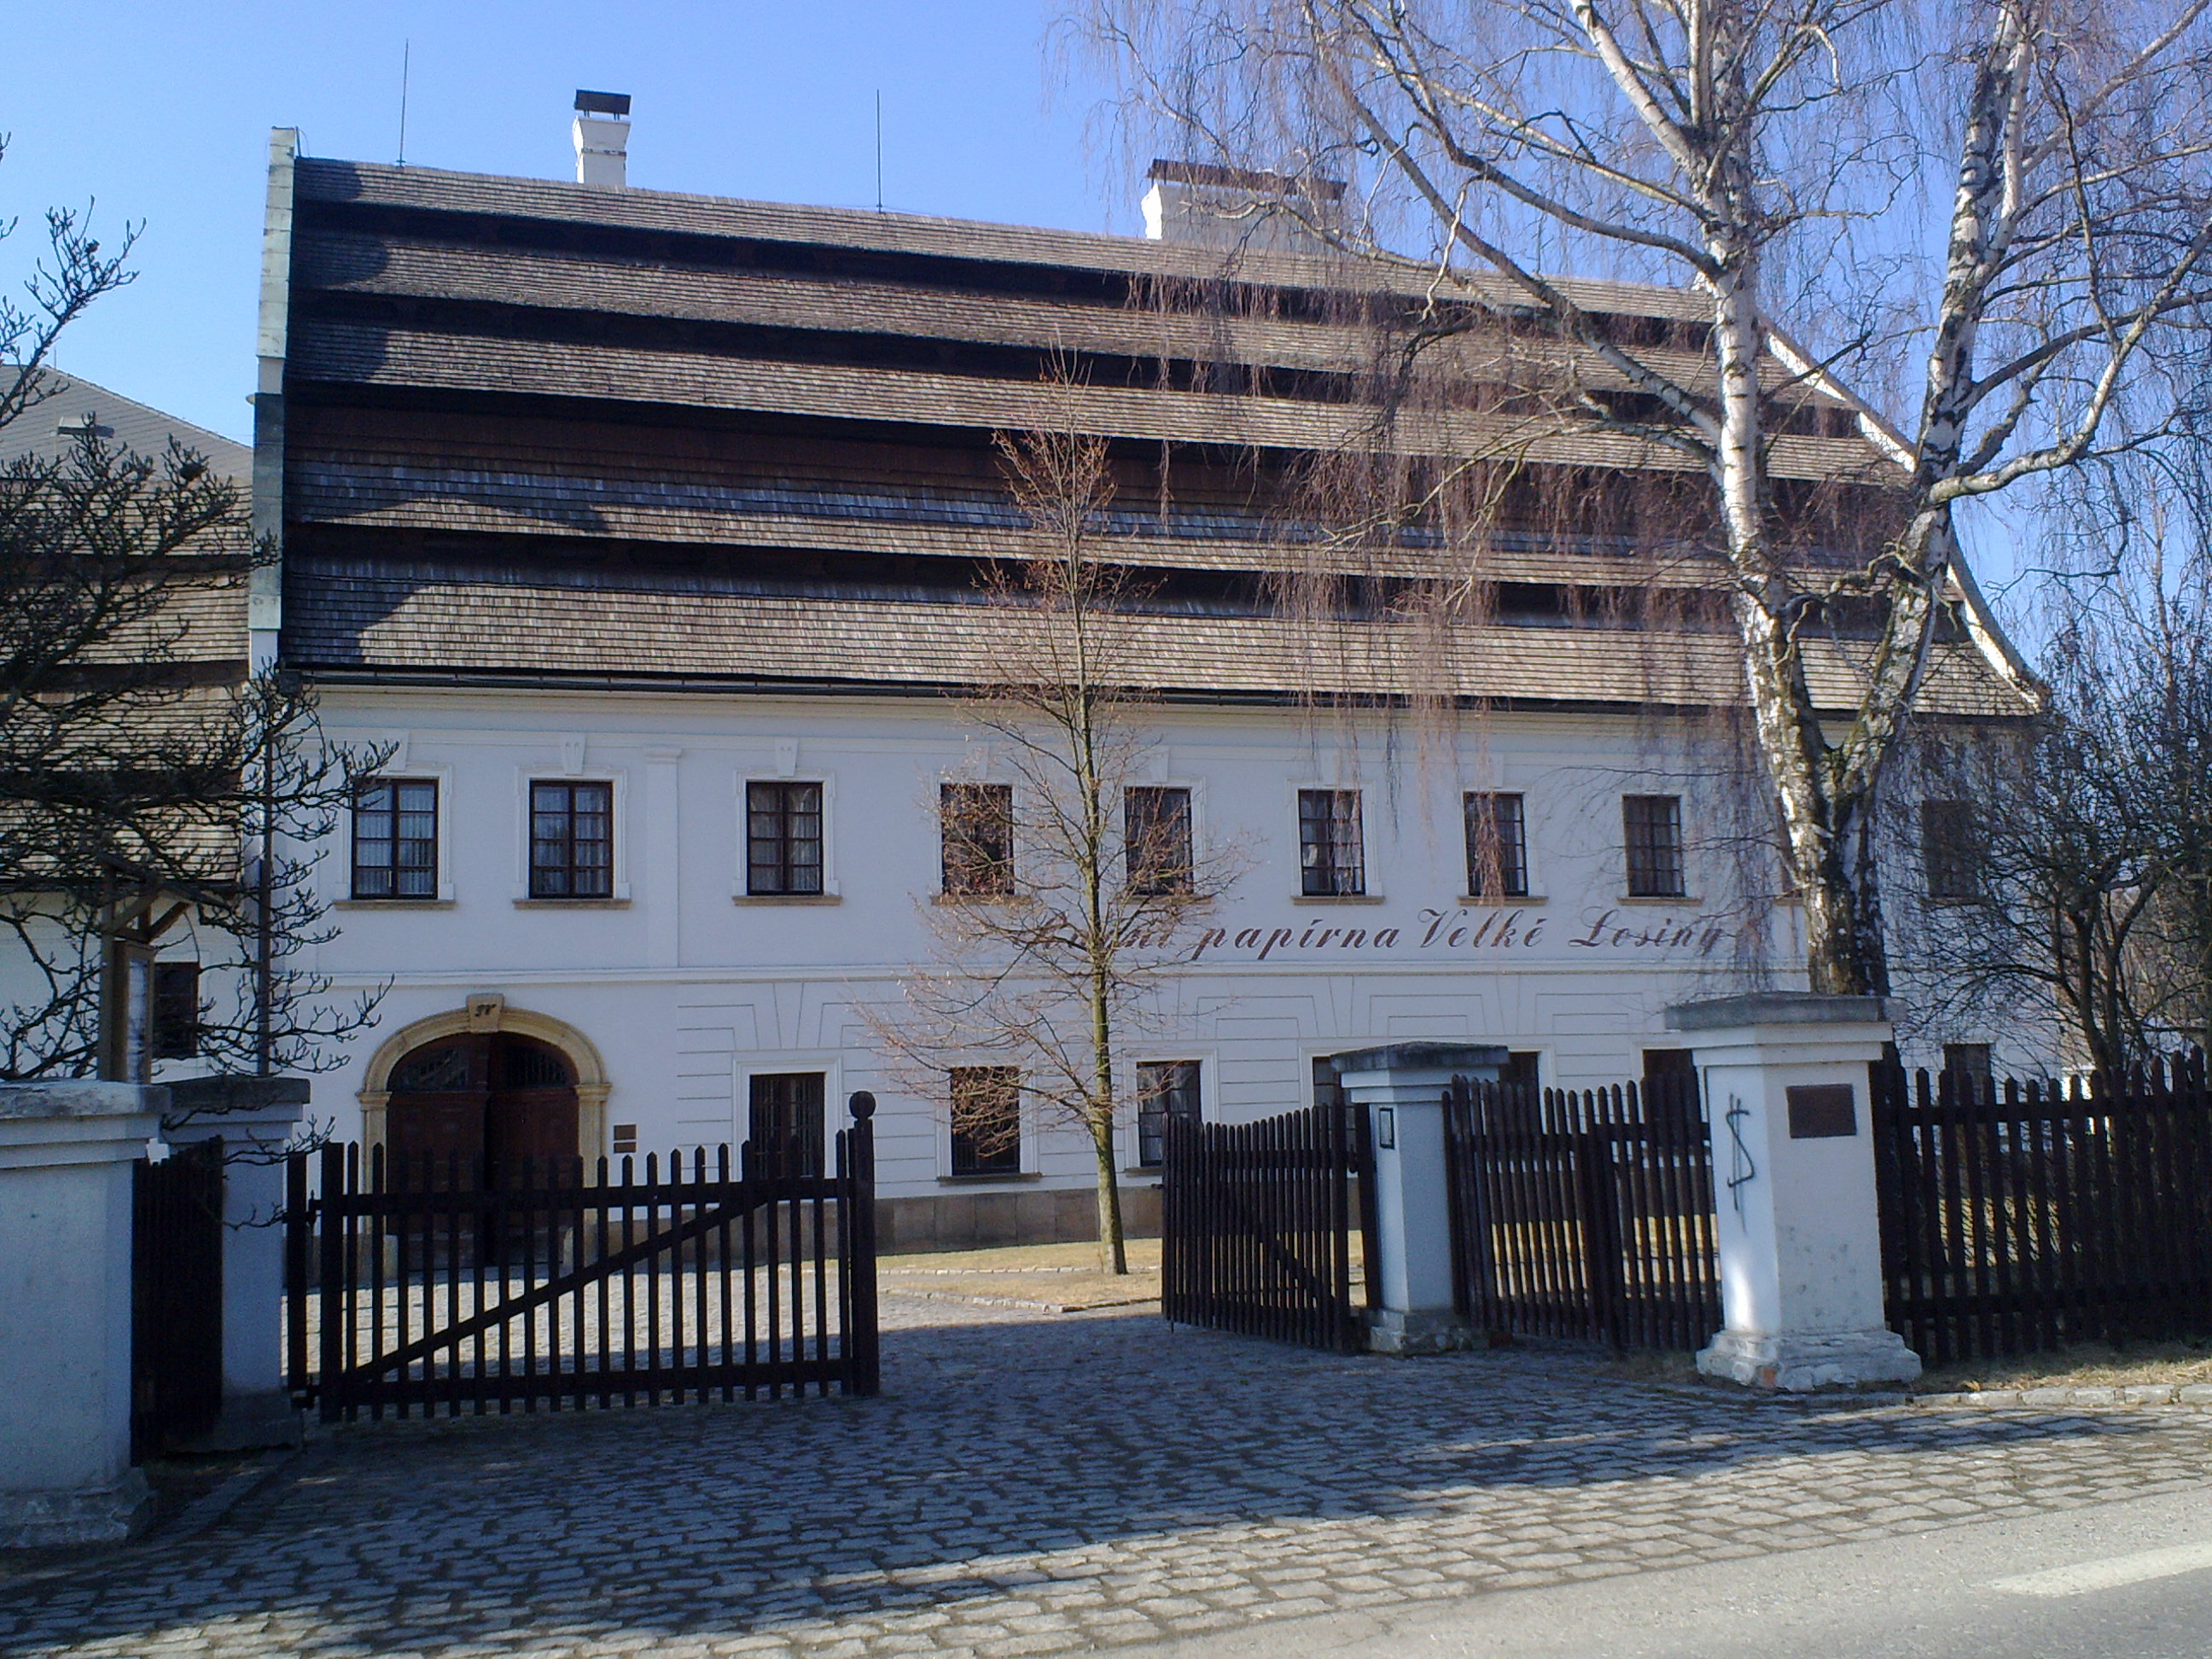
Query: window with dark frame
point(1970, 1065)
point(976, 821)
point(1950, 850)
point(784, 1124)
point(571, 840)
point(176, 1009)
point(783, 839)
point(1156, 835)
point(395, 839)
point(1651, 825)
point(1332, 864)
point(1166, 1089)
point(1497, 848)
point(986, 1120)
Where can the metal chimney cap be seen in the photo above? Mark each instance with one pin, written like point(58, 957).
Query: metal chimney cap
point(604, 103)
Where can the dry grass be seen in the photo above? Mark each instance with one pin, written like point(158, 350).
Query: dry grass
point(1063, 1276)
point(2087, 1365)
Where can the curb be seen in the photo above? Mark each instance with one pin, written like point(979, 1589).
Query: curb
point(2134, 1394)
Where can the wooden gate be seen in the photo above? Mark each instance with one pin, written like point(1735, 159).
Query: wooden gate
point(1258, 1222)
point(176, 1297)
point(417, 1284)
point(1583, 1214)
point(2020, 1216)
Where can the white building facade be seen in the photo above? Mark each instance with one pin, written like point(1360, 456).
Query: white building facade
point(639, 532)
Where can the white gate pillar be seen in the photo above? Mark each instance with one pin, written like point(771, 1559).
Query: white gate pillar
point(66, 1151)
point(1402, 1087)
point(256, 1118)
point(1785, 1087)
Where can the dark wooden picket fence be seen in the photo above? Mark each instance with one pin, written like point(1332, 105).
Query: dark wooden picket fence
point(1258, 1221)
point(1583, 1214)
point(2027, 1215)
point(433, 1284)
point(176, 1297)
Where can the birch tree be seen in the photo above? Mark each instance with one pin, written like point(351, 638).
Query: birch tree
point(1977, 226)
point(1070, 885)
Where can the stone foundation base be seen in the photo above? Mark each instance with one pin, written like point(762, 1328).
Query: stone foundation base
point(1406, 1335)
point(1799, 1362)
point(46, 1520)
point(968, 1220)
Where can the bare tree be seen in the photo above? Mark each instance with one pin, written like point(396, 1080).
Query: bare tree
point(143, 785)
point(1070, 876)
point(1991, 215)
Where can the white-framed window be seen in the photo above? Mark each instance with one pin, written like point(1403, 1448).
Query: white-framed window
point(1332, 844)
point(572, 835)
point(1167, 1090)
point(1656, 848)
point(987, 1132)
point(786, 837)
point(400, 828)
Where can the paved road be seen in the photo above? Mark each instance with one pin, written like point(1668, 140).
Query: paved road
point(2126, 1581)
point(1036, 1483)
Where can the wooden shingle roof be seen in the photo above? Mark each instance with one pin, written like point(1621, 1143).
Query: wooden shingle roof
point(508, 400)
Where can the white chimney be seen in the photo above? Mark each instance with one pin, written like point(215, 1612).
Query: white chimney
point(1194, 202)
point(602, 134)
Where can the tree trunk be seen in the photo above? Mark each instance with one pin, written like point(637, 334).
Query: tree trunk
point(1113, 1248)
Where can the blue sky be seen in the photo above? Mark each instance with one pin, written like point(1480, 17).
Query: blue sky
point(161, 113)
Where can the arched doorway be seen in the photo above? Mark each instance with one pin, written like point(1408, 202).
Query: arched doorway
point(497, 1100)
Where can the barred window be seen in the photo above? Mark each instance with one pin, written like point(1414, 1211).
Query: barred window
point(395, 838)
point(1652, 825)
point(783, 838)
point(176, 1009)
point(1166, 1089)
point(1331, 861)
point(571, 840)
point(784, 1124)
point(977, 824)
point(1497, 848)
point(1156, 830)
point(986, 1120)
point(1950, 849)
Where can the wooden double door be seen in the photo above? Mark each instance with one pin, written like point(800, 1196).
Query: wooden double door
point(493, 1101)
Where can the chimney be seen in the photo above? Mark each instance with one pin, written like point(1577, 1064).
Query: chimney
point(602, 134)
point(1198, 204)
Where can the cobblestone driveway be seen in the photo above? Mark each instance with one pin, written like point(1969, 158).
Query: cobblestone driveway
point(1035, 1483)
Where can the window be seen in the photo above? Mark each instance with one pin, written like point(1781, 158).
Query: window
point(986, 1121)
point(1156, 833)
point(176, 1009)
point(1522, 1071)
point(783, 1130)
point(1331, 863)
point(1950, 849)
point(1670, 1086)
point(1165, 1089)
point(395, 839)
point(1969, 1067)
point(783, 838)
point(571, 840)
point(1497, 848)
point(977, 823)
point(1653, 828)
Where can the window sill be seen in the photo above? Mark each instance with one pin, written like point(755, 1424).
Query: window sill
point(391, 904)
point(1154, 1172)
point(1336, 898)
point(1499, 902)
point(572, 904)
point(1952, 901)
point(987, 1180)
point(977, 898)
point(787, 898)
point(1678, 901)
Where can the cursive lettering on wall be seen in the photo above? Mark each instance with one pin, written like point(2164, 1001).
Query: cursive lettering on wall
point(1456, 929)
